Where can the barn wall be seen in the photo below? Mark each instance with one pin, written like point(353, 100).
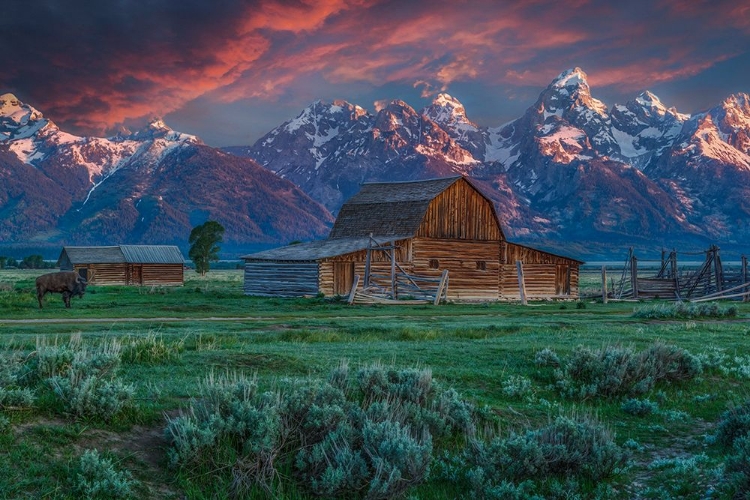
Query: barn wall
point(281, 279)
point(460, 212)
point(380, 264)
point(472, 266)
point(104, 274)
point(161, 274)
point(543, 281)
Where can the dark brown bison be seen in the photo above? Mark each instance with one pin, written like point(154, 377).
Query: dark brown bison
point(68, 283)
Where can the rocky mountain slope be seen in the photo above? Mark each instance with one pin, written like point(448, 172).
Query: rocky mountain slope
point(569, 170)
point(151, 186)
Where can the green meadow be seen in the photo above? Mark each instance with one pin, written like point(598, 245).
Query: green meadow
point(662, 388)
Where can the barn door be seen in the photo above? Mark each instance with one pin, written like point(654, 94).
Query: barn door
point(83, 272)
point(343, 277)
point(136, 276)
point(562, 279)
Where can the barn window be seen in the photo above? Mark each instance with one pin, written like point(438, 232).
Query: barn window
point(481, 265)
point(434, 264)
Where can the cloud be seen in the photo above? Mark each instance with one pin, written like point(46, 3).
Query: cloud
point(93, 64)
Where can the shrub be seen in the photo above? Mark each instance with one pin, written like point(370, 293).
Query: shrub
point(547, 357)
point(681, 310)
point(682, 477)
point(734, 423)
point(639, 407)
point(516, 386)
point(150, 349)
point(364, 432)
point(615, 370)
point(91, 396)
point(97, 478)
point(737, 469)
point(576, 445)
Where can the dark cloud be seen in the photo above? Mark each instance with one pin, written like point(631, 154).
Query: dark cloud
point(91, 65)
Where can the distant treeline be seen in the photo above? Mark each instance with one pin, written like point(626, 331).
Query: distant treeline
point(28, 262)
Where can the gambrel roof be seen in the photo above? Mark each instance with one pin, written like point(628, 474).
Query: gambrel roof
point(386, 209)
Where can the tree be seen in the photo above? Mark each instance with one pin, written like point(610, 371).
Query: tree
point(204, 245)
point(3, 260)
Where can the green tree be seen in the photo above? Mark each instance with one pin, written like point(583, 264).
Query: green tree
point(33, 262)
point(204, 245)
point(3, 260)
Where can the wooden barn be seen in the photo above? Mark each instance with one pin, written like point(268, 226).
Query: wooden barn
point(423, 228)
point(125, 264)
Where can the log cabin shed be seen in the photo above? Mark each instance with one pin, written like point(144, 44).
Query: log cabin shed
point(125, 264)
point(435, 224)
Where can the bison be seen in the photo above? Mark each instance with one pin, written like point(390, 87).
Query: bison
point(68, 283)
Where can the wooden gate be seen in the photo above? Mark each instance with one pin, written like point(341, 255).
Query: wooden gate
point(562, 279)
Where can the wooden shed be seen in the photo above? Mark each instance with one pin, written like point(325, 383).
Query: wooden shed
point(435, 225)
point(125, 264)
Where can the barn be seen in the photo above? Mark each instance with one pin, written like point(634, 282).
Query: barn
point(423, 228)
point(125, 264)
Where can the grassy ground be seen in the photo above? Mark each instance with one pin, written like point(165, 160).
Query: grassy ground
point(473, 348)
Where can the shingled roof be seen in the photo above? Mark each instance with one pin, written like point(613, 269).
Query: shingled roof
point(121, 254)
point(388, 208)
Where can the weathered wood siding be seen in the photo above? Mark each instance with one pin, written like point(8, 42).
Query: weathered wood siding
point(133, 274)
point(460, 212)
point(332, 282)
point(281, 279)
point(472, 266)
point(543, 281)
point(160, 274)
point(104, 274)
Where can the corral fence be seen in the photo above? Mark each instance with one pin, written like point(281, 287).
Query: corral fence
point(691, 276)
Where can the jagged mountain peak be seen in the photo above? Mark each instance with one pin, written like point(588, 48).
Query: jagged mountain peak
point(571, 78)
point(652, 106)
point(18, 120)
point(157, 129)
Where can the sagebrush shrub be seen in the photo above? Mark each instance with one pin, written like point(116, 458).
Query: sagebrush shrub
point(547, 357)
point(150, 349)
point(516, 386)
point(16, 398)
point(616, 370)
point(366, 432)
point(91, 396)
point(682, 310)
point(734, 423)
point(97, 478)
point(639, 407)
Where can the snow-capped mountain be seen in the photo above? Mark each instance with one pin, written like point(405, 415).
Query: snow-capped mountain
point(568, 168)
point(150, 186)
point(329, 149)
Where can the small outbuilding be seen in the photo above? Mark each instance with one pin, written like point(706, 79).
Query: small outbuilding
point(422, 228)
point(125, 264)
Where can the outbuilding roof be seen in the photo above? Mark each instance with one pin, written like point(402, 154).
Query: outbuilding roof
point(316, 250)
point(122, 254)
point(388, 208)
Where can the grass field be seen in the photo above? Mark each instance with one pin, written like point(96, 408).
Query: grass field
point(176, 337)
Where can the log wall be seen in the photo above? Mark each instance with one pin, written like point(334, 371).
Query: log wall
point(460, 212)
point(472, 266)
point(133, 274)
point(281, 279)
point(543, 281)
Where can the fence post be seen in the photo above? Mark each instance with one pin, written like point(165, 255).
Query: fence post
point(746, 298)
point(604, 284)
point(521, 283)
point(634, 275)
point(353, 291)
point(441, 287)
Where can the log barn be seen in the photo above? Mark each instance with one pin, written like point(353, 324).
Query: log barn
point(125, 264)
point(430, 226)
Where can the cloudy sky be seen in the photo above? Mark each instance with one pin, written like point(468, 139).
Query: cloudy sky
point(229, 70)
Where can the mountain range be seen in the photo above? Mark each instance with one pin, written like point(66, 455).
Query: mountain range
point(151, 186)
point(570, 174)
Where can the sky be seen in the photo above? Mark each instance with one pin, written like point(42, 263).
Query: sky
point(229, 71)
